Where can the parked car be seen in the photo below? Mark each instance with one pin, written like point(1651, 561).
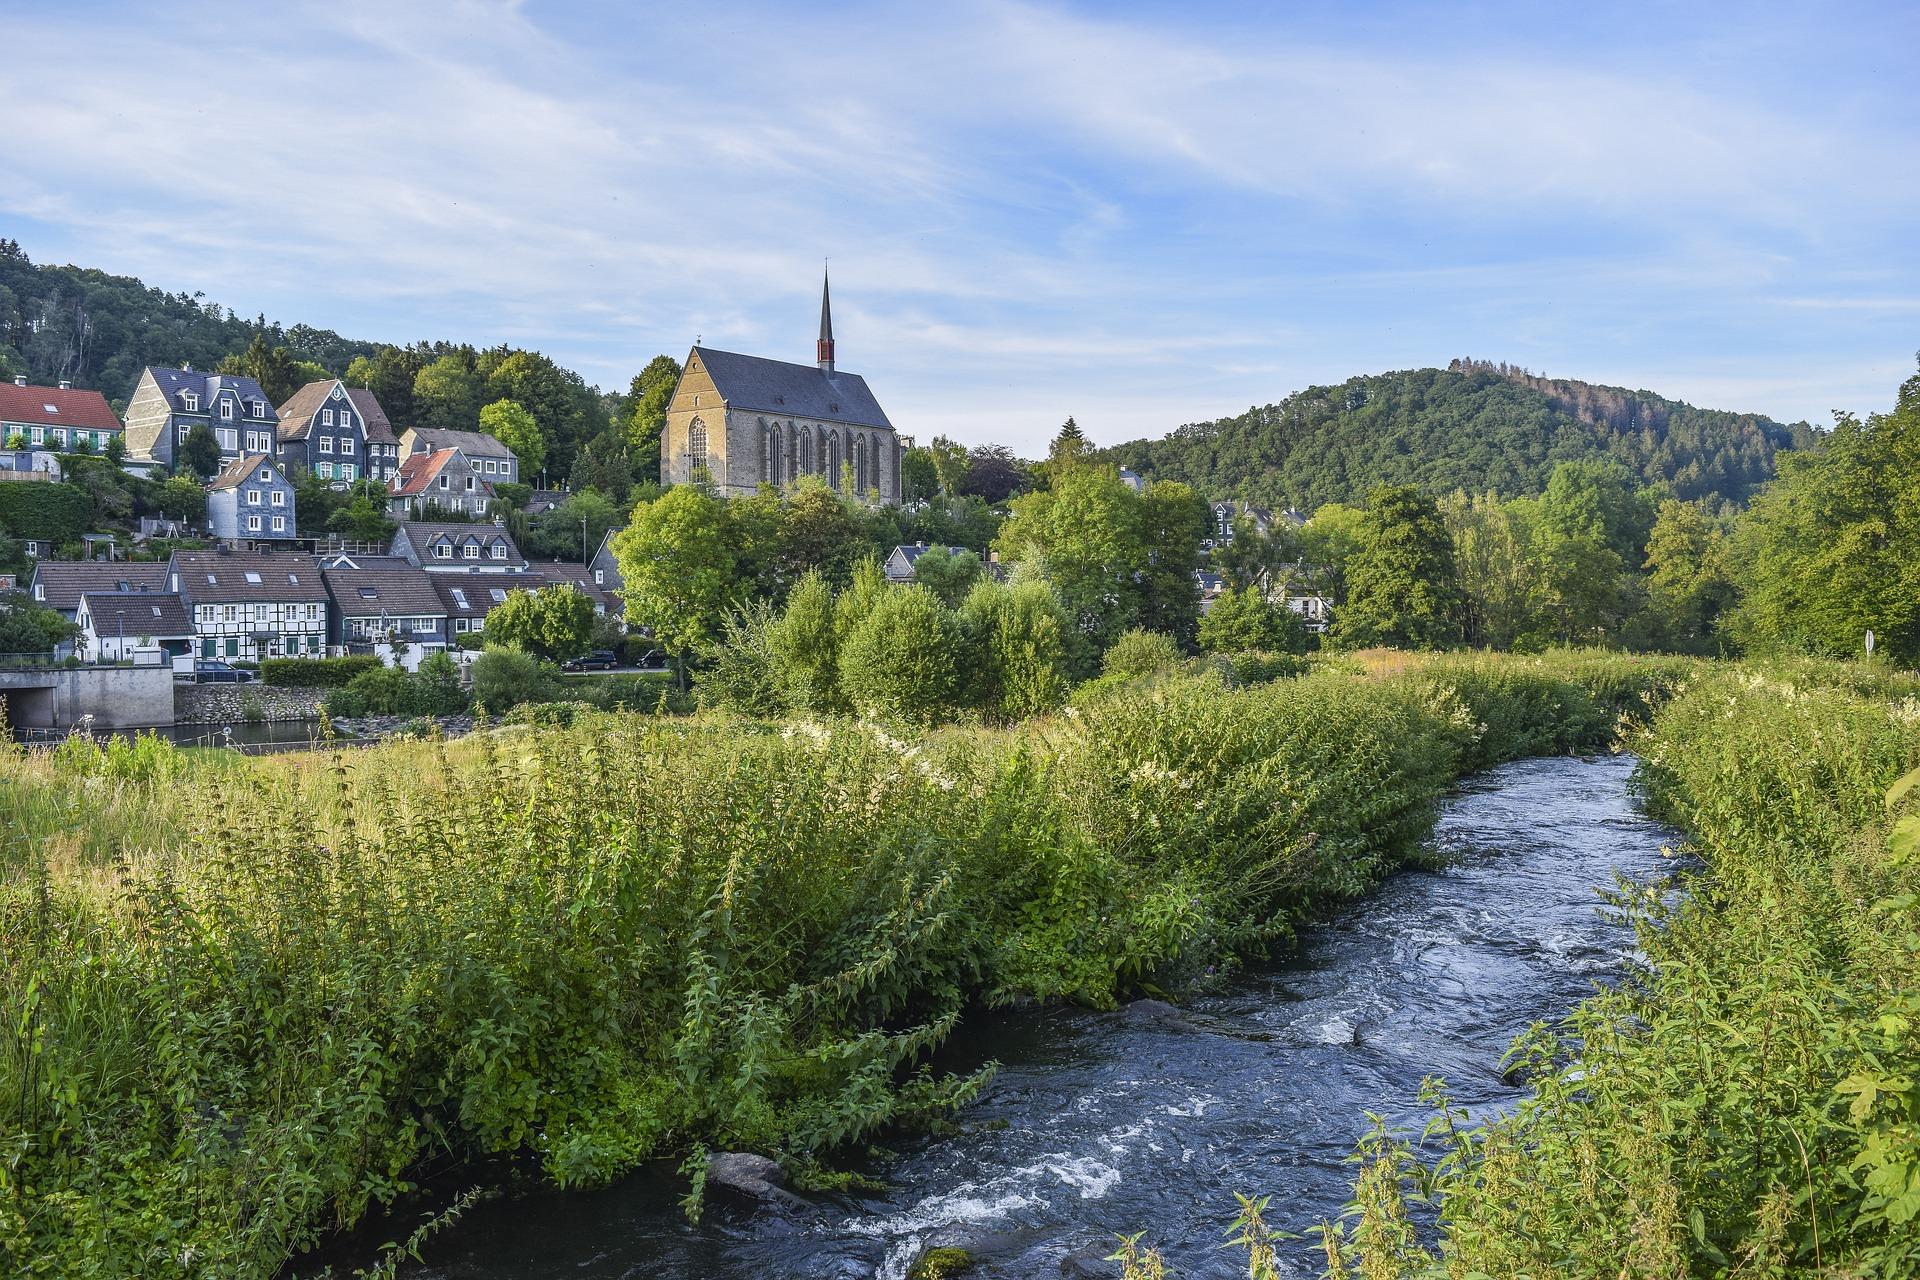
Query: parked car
point(652, 660)
point(598, 660)
point(207, 671)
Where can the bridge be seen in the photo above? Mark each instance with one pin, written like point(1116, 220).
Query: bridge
point(38, 693)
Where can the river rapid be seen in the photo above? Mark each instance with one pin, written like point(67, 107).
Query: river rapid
point(1150, 1119)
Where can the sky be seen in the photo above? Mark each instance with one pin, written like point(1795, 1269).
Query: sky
point(1139, 215)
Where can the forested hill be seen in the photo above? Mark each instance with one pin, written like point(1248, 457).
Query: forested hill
point(1474, 425)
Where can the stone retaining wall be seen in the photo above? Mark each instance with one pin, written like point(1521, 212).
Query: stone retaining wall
point(228, 703)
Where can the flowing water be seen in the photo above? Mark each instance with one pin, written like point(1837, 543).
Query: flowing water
point(1149, 1118)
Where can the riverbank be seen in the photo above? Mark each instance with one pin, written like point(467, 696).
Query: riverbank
point(632, 938)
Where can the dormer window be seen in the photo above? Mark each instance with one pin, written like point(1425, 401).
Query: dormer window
point(499, 551)
point(190, 402)
point(443, 552)
point(471, 551)
point(259, 408)
point(226, 410)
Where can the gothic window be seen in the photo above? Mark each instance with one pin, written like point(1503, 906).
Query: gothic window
point(861, 481)
point(773, 454)
point(697, 452)
point(833, 460)
point(803, 458)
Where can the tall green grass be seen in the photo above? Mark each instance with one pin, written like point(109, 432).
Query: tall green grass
point(251, 1003)
point(1748, 1103)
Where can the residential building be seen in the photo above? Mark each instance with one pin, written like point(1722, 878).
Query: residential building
point(251, 500)
point(491, 460)
point(443, 479)
point(114, 625)
point(252, 605)
point(60, 584)
point(458, 548)
point(30, 464)
point(606, 573)
point(1133, 480)
point(56, 419)
point(167, 404)
point(736, 422)
point(1226, 513)
point(339, 433)
point(469, 600)
point(377, 599)
point(899, 563)
point(551, 572)
point(1316, 611)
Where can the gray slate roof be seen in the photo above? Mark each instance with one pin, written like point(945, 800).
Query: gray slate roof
point(207, 386)
point(65, 581)
point(421, 534)
point(379, 429)
point(475, 595)
point(475, 444)
point(213, 577)
point(159, 614)
point(382, 584)
point(795, 390)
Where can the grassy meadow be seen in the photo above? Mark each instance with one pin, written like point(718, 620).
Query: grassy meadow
point(250, 1002)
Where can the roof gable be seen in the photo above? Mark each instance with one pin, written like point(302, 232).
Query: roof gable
point(790, 390)
point(56, 407)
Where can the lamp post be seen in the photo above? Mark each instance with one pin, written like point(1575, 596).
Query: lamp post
point(583, 541)
point(120, 646)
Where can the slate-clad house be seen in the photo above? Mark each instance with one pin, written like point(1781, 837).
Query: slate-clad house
point(900, 561)
point(250, 500)
point(114, 625)
point(247, 606)
point(491, 460)
point(469, 600)
point(578, 575)
point(375, 597)
point(61, 585)
point(56, 419)
point(458, 548)
point(606, 572)
point(168, 403)
point(444, 479)
point(337, 432)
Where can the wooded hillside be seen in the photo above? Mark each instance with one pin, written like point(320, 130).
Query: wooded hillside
point(1474, 426)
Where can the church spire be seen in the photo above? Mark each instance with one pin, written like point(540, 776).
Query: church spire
point(824, 352)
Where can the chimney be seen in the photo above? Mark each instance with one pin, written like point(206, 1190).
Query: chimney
point(66, 384)
point(185, 367)
point(20, 380)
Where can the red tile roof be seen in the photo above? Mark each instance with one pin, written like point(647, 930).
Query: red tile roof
point(52, 407)
point(418, 470)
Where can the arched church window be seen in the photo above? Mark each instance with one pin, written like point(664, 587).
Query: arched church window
point(833, 461)
point(773, 454)
point(697, 470)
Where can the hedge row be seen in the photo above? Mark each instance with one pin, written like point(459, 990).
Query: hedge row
point(316, 673)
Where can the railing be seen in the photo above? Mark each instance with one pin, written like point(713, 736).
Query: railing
point(47, 662)
point(29, 661)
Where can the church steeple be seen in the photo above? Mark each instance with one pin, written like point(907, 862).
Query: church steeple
point(824, 352)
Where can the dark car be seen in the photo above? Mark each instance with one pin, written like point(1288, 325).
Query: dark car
point(598, 660)
point(209, 672)
point(652, 660)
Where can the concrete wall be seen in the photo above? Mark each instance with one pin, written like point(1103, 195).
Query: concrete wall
point(116, 697)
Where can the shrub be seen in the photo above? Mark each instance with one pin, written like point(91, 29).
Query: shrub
point(1141, 653)
point(344, 704)
point(437, 688)
point(252, 710)
point(315, 673)
point(385, 691)
point(505, 678)
point(1248, 667)
point(1018, 642)
point(1247, 620)
point(804, 646)
point(898, 663)
point(740, 671)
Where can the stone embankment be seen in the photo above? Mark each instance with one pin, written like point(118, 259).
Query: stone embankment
point(243, 703)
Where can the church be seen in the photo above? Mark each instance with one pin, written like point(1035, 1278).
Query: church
point(737, 422)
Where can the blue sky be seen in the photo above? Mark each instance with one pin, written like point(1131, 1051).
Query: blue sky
point(1141, 215)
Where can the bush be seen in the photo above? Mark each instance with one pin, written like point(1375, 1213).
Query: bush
point(1249, 667)
point(898, 664)
point(437, 689)
point(315, 673)
point(344, 704)
point(1141, 653)
point(804, 646)
point(1247, 620)
point(505, 678)
point(741, 672)
point(385, 691)
point(1018, 642)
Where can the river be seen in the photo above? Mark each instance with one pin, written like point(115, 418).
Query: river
point(1148, 1120)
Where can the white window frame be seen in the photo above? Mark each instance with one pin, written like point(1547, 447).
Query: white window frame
point(326, 444)
point(326, 417)
point(191, 399)
point(226, 410)
point(346, 444)
point(279, 524)
point(253, 524)
point(279, 498)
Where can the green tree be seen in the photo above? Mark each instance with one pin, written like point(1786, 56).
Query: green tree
point(647, 399)
point(1403, 587)
point(275, 368)
point(1246, 620)
point(437, 688)
point(116, 450)
point(919, 478)
point(362, 519)
point(1172, 522)
point(1687, 579)
point(676, 569)
point(553, 622)
point(446, 393)
point(181, 499)
point(568, 411)
point(949, 462)
point(1070, 447)
point(505, 678)
point(1020, 641)
point(818, 531)
point(805, 648)
point(1084, 531)
point(1141, 653)
point(515, 428)
point(1499, 581)
point(950, 575)
point(200, 451)
point(1328, 544)
point(389, 373)
point(898, 665)
point(26, 627)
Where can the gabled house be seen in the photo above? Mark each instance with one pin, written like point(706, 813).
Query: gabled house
point(56, 419)
point(250, 500)
point(552, 572)
point(491, 460)
point(458, 548)
point(378, 598)
point(443, 479)
point(606, 572)
point(899, 563)
point(338, 433)
point(469, 600)
point(247, 606)
point(167, 404)
point(114, 625)
point(61, 585)
point(1226, 513)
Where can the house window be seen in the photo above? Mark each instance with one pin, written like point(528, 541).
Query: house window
point(326, 417)
point(253, 497)
point(279, 497)
point(190, 402)
point(444, 483)
point(40, 435)
point(324, 470)
point(346, 471)
point(253, 524)
point(279, 524)
point(259, 408)
point(346, 444)
point(443, 552)
point(229, 439)
point(226, 613)
point(226, 410)
point(471, 551)
point(59, 435)
point(181, 435)
point(459, 624)
point(264, 475)
point(326, 444)
point(499, 551)
point(469, 484)
point(599, 577)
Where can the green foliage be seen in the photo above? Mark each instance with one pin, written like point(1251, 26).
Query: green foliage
point(315, 673)
point(804, 648)
point(1246, 619)
point(1402, 584)
point(26, 627)
point(554, 622)
point(1019, 642)
point(515, 428)
point(948, 574)
point(362, 518)
point(741, 670)
point(647, 400)
point(898, 663)
point(199, 453)
point(1473, 427)
point(275, 368)
point(1140, 653)
point(505, 678)
point(56, 513)
point(676, 568)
